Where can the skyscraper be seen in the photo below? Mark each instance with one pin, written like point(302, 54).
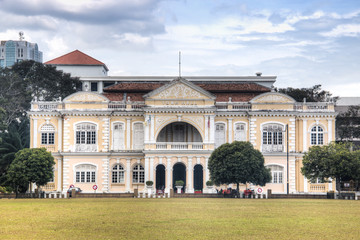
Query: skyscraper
point(13, 51)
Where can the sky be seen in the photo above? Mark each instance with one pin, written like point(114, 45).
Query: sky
point(302, 42)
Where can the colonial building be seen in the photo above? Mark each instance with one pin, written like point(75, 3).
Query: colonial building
point(164, 129)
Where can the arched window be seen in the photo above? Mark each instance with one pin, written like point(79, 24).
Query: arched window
point(118, 137)
point(219, 134)
point(118, 174)
point(138, 174)
point(272, 138)
point(86, 137)
point(317, 135)
point(47, 134)
point(240, 134)
point(138, 136)
point(85, 173)
point(276, 173)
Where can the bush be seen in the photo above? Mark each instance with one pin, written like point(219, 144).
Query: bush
point(149, 183)
point(209, 183)
point(179, 183)
point(3, 189)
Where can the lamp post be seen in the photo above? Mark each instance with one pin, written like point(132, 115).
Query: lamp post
point(287, 158)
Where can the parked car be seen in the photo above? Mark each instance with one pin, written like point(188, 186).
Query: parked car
point(77, 189)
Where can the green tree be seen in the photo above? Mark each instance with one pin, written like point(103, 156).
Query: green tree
point(313, 94)
point(331, 161)
point(11, 141)
point(238, 162)
point(31, 165)
point(45, 82)
point(348, 124)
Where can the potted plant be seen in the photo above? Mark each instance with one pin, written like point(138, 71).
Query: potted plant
point(209, 184)
point(149, 184)
point(179, 184)
point(198, 191)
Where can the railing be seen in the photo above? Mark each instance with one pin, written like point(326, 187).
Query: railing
point(85, 148)
point(179, 145)
point(317, 187)
point(117, 105)
point(46, 106)
point(241, 106)
point(272, 148)
point(313, 107)
point(48, 186)
point(50, 148)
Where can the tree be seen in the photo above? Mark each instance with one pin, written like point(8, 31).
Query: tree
point(348, 124)
point(45, 82)
point(11, 141)
point(314, 94)
point(238, 162)
point(331, 161)
point(31, 165)
point(27, 80)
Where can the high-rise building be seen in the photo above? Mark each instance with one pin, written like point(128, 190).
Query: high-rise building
point(13, 51)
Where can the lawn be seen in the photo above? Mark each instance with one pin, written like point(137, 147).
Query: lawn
point(179, 219)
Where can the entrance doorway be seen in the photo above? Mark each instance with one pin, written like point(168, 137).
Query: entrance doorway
point(179, 173)
point(160, 177)
point(198, 178)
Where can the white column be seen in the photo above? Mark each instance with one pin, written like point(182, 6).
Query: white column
point(147, 169)
point(35, 133)
point(230, 131)
point(128, 133)
point(152, 128)
point(59, 142)
point(190, 169)
point(330, 184)
point(305, 135)
point(66, 174)
point(207, 173)
point(329, 130)
point(106, 134)
point(128, 172)
point(59, 176)
point(168, 175)
point(152, 169)
point(212, 129)
point(146, 137)
point(100, 87)
point(206, 129)
point(105, 175)
point(305, 184)
point(252, 131)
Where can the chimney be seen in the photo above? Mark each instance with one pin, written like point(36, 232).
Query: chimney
point(258, 74)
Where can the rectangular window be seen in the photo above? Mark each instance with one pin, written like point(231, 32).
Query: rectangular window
point(114, 177)
point(320, 138)
point(121, 177)
point(280, 177)
point(94, 86)
point(82, 176)
point(313, 139)
point(88, 177)
point(265, 137)
point(275, 177)
point(51, 138)
point(92, 176)
point(43, 138)
point(77, 176)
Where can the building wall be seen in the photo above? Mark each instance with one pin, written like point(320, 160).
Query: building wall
point(202, 114)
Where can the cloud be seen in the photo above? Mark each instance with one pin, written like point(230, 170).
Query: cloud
point(348, 30)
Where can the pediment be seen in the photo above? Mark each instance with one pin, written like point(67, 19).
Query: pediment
point(86, 97)
point(273, 97)
point(179, 89)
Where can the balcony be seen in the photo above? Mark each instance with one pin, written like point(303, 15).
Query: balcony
point(86, 148)
point(126, 105)
point(179, 146)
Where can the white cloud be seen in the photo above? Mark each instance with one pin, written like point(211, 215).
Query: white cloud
point(348, 30)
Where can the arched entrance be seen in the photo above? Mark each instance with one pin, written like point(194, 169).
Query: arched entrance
point(179, 173)
point(179, 132)
point(198, 177)
point(160, 177)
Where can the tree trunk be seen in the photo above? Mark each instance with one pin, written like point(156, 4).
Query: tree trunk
point(238, 189)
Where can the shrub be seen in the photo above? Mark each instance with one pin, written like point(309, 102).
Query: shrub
point(149, 183)
point(209, 183)
point(179, 183)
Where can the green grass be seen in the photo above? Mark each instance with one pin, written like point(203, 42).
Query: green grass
point(179, 219)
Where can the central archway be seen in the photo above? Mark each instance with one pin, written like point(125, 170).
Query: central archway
point(179, 132)
point(179, 173)
point(160, 177)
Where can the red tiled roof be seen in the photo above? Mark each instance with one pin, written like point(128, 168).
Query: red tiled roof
point(133, 87)
point(75, 58)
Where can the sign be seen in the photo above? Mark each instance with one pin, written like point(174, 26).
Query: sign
point(259, 190)
point(95, 187)
point(72, 185)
